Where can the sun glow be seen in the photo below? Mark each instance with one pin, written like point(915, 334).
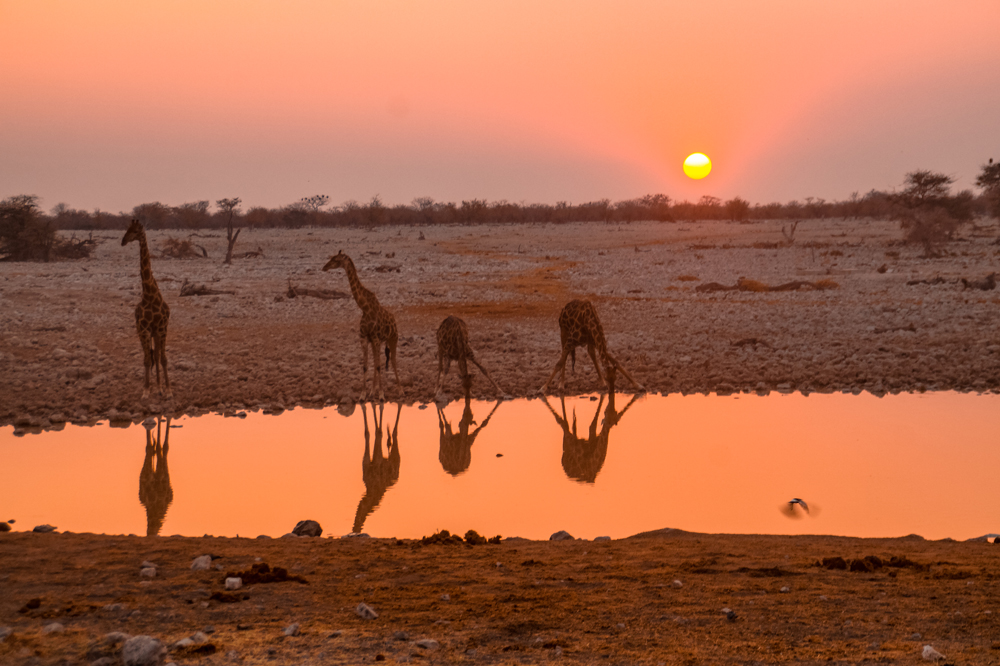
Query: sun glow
point(697, 165)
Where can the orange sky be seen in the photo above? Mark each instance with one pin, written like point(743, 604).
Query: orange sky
point(870, 467)
point(113, 103)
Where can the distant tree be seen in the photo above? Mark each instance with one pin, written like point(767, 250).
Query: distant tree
point(152, 214)
point(375, 212)
point(989, 181)
point(229, 208)
point(737, 209)
point(192, 215)
point(928, 213)
point(24, 234)
point(315, 203)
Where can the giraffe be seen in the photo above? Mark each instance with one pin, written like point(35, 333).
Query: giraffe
point(579, 326)
point(453, 344)
point(151, 314)
point(378, 471)
point(377, 326)
point(455, 449)
point(155, 492)
point(582, 459)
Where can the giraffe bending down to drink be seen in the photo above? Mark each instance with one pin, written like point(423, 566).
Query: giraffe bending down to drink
point(378, 326)
point(453, 344)
point(579, 326)
point(151, 315)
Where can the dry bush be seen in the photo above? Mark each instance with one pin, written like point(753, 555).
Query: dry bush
point(823, 285)
point(182, 249)
point(688, 278)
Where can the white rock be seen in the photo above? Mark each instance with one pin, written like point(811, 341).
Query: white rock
point(292, 630)
point(428, 644)
point(930, 654)
point(142, 651)
point(201, 563)
point(199, 637)
point(54, 628)
point(183, 643)
point(678, 583)
point(234, 583)
point(148, 572)
point(4, 633)
point(366, 611)
point(146, 564)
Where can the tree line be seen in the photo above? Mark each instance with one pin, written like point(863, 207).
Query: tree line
point(927, 209)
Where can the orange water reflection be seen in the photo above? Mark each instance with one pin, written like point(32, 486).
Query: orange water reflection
point(888, 466)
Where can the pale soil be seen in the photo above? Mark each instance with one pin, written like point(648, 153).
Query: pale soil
point(520, 602)
point(68, 348)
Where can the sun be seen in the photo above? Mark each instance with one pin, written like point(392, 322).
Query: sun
point(697, 165)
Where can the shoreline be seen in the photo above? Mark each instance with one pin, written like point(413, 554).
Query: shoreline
point(895, 323)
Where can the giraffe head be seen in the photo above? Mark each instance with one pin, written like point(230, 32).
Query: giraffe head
point(134, 231)
point(338, 260)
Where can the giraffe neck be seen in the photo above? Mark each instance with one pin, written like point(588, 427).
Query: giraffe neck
point(146, 268)
point(361, 295)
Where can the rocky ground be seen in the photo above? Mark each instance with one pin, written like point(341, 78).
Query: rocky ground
point(666, 597)
point(69, 352)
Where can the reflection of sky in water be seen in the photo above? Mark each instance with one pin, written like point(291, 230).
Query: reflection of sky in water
point(890, 466)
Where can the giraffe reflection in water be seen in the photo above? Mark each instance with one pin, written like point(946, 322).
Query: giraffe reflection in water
point(455, 451)
point(155, 492)
point(583, 458)
point(379, 471)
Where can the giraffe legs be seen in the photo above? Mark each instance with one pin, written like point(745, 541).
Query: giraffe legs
point(444, 365)
point(561, 365)
point(597, 366)
point(376, 373)
point(147, 360)
point(160, 350)
point(618, 367)
point(364, 370)
point(487, 375)
point(390, 346)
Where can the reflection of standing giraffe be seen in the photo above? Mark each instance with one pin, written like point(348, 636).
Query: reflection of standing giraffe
point(379, 472)
point(155, 492)
point(377, 326)
point(579, 326)
point(151, 315)
point(455, 450)
point(582, 459)
point(453, 344)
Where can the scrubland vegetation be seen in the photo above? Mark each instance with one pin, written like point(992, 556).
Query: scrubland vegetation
point(929, 214)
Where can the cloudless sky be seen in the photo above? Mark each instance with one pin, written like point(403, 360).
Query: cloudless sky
point(112, 103)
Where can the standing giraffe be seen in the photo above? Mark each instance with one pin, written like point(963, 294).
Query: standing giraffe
point(453, 344)
point(579, 326)
point(377, 326)
point(151, 314)
point(155, 492)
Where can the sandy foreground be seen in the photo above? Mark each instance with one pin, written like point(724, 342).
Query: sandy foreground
point(653, 599)
point(69, 351)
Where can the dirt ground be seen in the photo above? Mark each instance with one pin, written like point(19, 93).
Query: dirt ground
point(657, 598)
point(69, 351)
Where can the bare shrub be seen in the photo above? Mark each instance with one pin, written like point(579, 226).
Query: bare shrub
point(174, 248)
point(24, 234)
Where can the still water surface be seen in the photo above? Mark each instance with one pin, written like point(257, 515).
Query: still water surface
point(867, 466)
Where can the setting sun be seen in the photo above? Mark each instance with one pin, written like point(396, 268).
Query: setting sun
point(697, 165)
